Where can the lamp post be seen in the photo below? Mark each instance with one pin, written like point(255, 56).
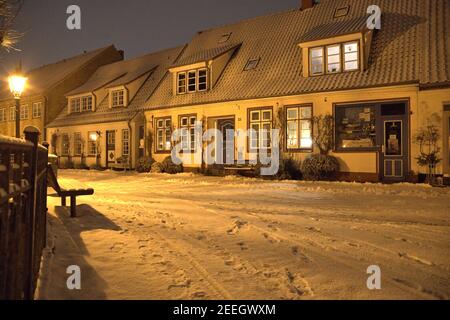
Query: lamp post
point(17, 84)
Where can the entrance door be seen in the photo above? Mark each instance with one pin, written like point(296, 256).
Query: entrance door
point(394, 154)
point(225, 125)
point(111, 147)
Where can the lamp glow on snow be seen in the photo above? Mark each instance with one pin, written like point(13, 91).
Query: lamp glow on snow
point(17, 84)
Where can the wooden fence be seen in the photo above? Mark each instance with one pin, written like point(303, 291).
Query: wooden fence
point(23, 210)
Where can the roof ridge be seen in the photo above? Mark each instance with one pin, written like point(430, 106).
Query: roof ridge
point(70, 58)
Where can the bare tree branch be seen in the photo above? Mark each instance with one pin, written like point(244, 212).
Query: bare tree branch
point(9, 9)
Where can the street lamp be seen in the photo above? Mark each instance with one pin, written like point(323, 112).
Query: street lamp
point(17, 84)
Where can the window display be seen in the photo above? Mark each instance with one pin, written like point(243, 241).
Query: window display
point(356, 127)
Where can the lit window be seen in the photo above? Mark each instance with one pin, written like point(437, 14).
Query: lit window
point(351, 61)
point(334, 59)
point(125, 142)
point(260, 126)
point(181, 83)
point(65, 144)
point(163, 134)
point(78, 144)
point(2, 115)
point(86, 103)
point(12, 113)
point(92, 143)
point(24, 112)
point(75, 105)
point(299, 127)
point(187, 125)
point(251, 64)
point(117, 98)
point(316, 61)
point(37, 109)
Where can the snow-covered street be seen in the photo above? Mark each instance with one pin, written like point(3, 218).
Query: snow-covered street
point(155, 236)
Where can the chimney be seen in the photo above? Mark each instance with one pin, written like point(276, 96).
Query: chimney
point(306, 4)
point(122, 53)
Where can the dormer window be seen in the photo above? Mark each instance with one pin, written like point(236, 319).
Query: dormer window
point(117, 98)
point(81, 104)
point(192, 81)
point(316, 61)
point(334, 58)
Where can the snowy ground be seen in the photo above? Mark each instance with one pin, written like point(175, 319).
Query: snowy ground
point(145, 236)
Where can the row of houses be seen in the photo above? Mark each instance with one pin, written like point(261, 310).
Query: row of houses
point(381, 86)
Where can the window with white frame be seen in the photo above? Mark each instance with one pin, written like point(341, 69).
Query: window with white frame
point(351, 56)
point(299, 127)
point(334, 58)
point(187, 126)
point(92, 143)
point(75, 105)
point(192, 81)
point(163, 134)
point(86, 103)
point(37, 109)
point(24, 112)
point(117, 98)
point(260, 125)
point(77, 144)
point(181, 83)
point(65, 144)
point(316, 61)
point(12, 113)
point(2, 114)
point(125, 142)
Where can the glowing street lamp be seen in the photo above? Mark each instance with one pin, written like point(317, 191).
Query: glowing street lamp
point(17, 83)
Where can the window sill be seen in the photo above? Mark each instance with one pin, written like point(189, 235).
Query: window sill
point(356, 150)
point(299, 150)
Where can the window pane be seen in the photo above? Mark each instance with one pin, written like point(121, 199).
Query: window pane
point(292, 134)
point(316, 52)
point(267, 115)
point(254, 116)
point(334, 50)
point(160, 123)
point(317, 65)
point(305, 112)
point(192, 81)
point(292, 113)
point(184, 121)
point(351, 47)
point(351, 65)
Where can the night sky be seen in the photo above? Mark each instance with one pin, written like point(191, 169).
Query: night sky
point(136, 26)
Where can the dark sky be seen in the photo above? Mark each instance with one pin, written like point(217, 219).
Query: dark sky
point(136, 26)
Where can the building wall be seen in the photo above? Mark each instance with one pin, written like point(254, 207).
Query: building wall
point(56, 97)
point(90, 160)
point(54, 100)
point(431, 111)
point(8, 127)
point(362, 164)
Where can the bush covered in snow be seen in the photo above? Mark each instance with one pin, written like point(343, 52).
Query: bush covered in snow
point(166, 166)
point(289, 169)
point(320, 167)
point(144, 164)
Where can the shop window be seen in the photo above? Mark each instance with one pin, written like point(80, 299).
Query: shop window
point(356, 127)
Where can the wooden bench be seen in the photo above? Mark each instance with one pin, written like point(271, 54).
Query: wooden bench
point(64, 193)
